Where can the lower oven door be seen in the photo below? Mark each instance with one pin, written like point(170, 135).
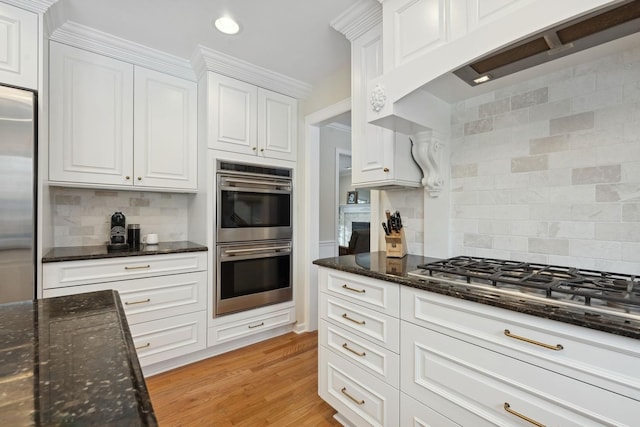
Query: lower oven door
point(251, 275)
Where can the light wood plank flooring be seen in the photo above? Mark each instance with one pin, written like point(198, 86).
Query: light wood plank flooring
point(272, 383)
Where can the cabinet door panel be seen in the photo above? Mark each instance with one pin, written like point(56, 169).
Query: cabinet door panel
point(91, 110)
point(232, 117)
point(18, 47)
point(277, 125)
point(165, 131)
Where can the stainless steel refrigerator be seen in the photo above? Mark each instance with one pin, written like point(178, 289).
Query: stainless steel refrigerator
point(17, 194)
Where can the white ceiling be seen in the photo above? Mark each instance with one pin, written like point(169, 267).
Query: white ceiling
point(291, 37)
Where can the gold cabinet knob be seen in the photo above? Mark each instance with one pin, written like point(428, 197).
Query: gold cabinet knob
point(262, 150)
point(127, 177)
point(386, 169)
point(254, 148)
point(139, 178)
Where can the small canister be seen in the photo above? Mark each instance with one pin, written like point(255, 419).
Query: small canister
point(133, 236)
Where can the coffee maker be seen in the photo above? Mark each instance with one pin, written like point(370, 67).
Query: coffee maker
point(117, 233)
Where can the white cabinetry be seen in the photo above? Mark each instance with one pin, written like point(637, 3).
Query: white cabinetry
point(250, 120)
point(358, 368)
point(164, 297)
point(18, 47)
point(381, 157)
point(116, 124)
point(462, 360)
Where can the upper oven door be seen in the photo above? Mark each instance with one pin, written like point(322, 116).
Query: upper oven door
point(253, 208)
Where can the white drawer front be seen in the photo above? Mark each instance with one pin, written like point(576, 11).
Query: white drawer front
point(235, 330)
point(599, 358)
point(153, 297)
point(481, 381)
point(363, 399)
point(165, 339)
point(376, 360)
point(374, 294)
point(74, 273)
point(415, 414)
point(375, 326)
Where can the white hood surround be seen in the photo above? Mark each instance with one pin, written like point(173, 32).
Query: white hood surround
point(540, 167)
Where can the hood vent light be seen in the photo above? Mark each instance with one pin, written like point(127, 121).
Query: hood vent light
point(583, 33)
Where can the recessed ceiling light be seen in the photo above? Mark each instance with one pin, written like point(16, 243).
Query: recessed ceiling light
point(227, 25)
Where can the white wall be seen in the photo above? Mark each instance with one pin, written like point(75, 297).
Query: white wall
point(549, 170)
point(331, 139)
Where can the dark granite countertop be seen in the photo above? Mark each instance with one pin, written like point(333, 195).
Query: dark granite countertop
point(76, 253)
point(70, 361)
point(378, 266)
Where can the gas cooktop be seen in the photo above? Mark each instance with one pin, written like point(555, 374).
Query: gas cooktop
point(596, 291)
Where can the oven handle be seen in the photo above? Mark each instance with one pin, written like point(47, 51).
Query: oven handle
point(274, 184)
point(255, 250)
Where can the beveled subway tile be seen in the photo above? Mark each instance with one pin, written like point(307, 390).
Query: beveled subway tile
point(573, 123)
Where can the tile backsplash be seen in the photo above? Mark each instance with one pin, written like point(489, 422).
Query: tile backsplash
point(83, 217)
point(549, 170)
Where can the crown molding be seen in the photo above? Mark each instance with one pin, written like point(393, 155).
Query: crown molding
point(37, 6)
point(93, 40)
point(205, 59)
point(358, 19)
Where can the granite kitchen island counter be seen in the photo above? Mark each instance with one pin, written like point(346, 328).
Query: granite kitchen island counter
point(70, 361)
point(377, 266)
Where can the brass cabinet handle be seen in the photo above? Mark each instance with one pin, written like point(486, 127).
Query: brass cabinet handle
point(556, 347)
point(507, 408)
point(144, 346)
point(256, 326)
point(137, 302)
point(385, 170)
point(357, 353)
point(359, 322)
point(137, 267)
point(360, 291)
point(344, 391)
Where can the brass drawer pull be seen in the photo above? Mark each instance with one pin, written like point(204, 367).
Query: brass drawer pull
point(256, 326)
point(360, 291)
point(138, 267)
point(556, 347)
point(137, 302)
point(144, 346)
point(507, 408)
point(344, 391)
point(357, 353)
point(359, 322)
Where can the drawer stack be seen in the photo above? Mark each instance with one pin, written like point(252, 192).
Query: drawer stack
point(359, 343)
point(164, 297)
point(482, 365)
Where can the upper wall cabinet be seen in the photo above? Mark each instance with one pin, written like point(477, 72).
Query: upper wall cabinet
point(165, 130)
point(250, 120)
point(381, 157)
point(118, 125)
point(18, 47)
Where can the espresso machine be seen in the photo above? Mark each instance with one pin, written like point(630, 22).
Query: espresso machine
point(117, 233)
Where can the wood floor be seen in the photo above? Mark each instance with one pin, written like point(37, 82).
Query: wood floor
point(272, 383)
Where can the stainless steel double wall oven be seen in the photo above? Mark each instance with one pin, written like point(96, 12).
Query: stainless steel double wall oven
point(253, 236)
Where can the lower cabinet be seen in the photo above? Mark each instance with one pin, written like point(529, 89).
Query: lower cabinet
point(164, 298)
point(460, 363)
point(359, 397)
point(236, 329)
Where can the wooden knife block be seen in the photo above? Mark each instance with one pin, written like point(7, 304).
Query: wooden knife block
point(396, 244)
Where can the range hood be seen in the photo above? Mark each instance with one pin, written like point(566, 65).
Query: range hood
point(574, 36)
